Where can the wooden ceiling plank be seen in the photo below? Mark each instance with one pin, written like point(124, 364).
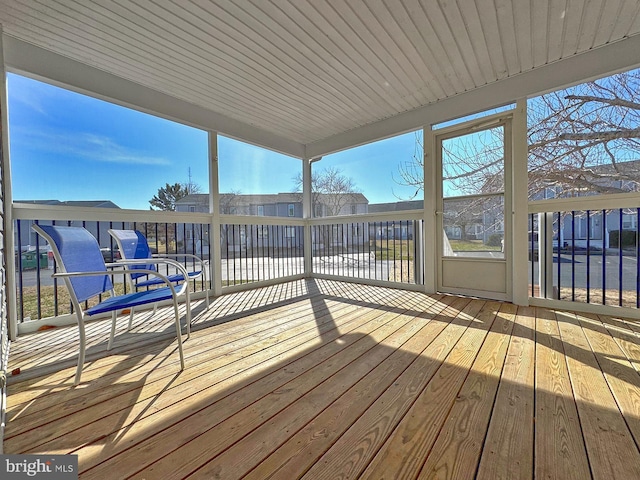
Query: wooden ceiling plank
point(629, 12)
point(489, 21)
point(384, 68)
point(463, 40)
point(589, 26)
point(610, 15)
point(509, 44)
point(539, 27)
point(522, 23)
point(556, 26)
point(572, 25)
point(478, 37)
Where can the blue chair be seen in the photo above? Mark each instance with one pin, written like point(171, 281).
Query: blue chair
point(133, 245)
point(82, 267)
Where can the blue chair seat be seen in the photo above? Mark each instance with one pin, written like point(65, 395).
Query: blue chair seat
point(131, 300)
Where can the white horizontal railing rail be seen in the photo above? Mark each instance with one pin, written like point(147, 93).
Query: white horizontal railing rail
point(369, 217)
point(594, 202)
point(261, 220)
point(26, 211)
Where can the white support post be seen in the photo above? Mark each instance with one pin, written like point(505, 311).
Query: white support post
point(307, 214)
point(519, 224)
point(215, 255)
point(6, 203)
point(430, 235)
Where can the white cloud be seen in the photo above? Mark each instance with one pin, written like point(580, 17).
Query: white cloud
point(87, 146)
point(29, 99)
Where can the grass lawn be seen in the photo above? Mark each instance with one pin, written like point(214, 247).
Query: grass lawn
point(393, 249)
point(472, 246)
point(47, 301)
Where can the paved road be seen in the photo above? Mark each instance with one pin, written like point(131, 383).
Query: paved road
point(577, 268)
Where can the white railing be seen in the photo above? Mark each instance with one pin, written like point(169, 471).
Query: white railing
point(584, 254)
point(256, 250)
point(39, 296)
point(253, 250)
point(247, 251)
point(381, 249)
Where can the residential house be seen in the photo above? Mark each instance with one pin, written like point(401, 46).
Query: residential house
point(587, 228)
point(393, 230)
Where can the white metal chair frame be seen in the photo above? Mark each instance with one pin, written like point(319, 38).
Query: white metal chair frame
point(119, 268)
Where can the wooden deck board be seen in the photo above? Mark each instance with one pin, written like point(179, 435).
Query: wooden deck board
point(508, 448)
point(457, 450)
point(559, 446)
point(321, 379)
point(609, 443)
point(402, 454)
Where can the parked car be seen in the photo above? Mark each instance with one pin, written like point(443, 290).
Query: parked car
point(110, 256)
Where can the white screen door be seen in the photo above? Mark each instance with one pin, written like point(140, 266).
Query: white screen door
point(474, 217)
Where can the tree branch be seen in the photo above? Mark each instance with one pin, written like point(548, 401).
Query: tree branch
point(606, 135)
point(615, 102)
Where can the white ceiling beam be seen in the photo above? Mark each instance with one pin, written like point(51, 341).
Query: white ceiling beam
point(35, 62)
point(606, 60)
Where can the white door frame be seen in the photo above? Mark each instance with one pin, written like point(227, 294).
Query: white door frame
point(470, 275)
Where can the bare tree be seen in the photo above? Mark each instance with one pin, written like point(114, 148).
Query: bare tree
point(582, 139)
point(585, 138)
point(331, 191)
point(228, 203)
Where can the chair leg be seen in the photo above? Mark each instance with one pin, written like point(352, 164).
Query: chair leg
point(83, 344)
point(188, 302)
point(113, 330)
point(130, 319)
point(178, 332)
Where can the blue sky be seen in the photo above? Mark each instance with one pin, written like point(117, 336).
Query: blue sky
point(67, 146)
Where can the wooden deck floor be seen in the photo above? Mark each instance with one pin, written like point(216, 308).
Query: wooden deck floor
point(327, 380)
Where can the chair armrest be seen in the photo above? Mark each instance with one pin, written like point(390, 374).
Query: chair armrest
point(184, 286)
point(181, 255)
point(156, 261)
